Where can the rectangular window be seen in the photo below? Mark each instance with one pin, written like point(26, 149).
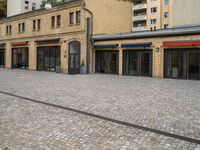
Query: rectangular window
point(53, 22)
point(58, 21)
point(19, 27)
point(33, 6)
point(166, 2)
point(71, 18)
point(154, 10)
point(7, 28)
point(23, 27)
point(165, 26)
point(34, 24)
point(153, 21)
point(166, 14)
point(38, 24)
point(10, 29)
point(78, 17)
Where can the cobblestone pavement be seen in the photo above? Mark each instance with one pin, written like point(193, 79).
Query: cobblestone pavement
point(163, 104)
point(27, 125)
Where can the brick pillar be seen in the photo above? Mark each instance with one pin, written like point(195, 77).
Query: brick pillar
point(8, 54)
point(64, 57)
point(158, 61)
point(120, 61)
point(32, 56)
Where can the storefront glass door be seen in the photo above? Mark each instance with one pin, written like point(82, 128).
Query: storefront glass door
point(20, 58)
point(48, 58)
point(182, 64)
point(2, 57)
point(74, 57)
point(194, 65)
point(107, 62)
point(137, 63)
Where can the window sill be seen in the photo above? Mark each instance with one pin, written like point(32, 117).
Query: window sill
point(77, 24)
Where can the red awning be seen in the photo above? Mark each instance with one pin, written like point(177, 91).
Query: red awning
point(181, 43)
point(19, 43)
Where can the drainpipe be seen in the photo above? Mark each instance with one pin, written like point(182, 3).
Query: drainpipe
point(89, 38)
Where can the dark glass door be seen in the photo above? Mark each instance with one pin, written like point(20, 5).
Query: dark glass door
point(146, 64)
point(74, 57)
point(174, 64)
point(137, 63)
point(2, 57)
point(107, 62)
point(48, 58)
point(194, 65)
point(20, 58)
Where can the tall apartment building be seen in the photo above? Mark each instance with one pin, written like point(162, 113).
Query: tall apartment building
point(15, 7)
point(162, 14)
point(150, 14)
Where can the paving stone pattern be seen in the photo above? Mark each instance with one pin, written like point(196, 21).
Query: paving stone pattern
point(163, 104)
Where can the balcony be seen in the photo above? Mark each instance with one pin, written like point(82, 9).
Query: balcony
point(135, 29)
point(140, 6)
point(142, 17)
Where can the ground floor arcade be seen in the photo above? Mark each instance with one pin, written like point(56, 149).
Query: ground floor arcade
point(175, 57)
point(167, 57)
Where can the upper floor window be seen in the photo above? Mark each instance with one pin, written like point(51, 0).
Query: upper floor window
point(153, 21)
point(166, 2)
point(166, 14)
point(26, 5)
point(34, 24)
point(58, 21)
point(154, 10)
point(9, 29)
point(71, 18)
point(53, 22)
point(78, 17)
point(166, 26)
point(33, 6)
point(38, 24)
point(21, 27)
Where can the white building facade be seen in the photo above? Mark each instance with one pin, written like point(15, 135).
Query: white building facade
point(15, 7)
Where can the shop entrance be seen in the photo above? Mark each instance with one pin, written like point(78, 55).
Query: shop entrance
point(2, 58)
point(74, 57)
point(20, 58)
point(107, 62)
point(137, 63)
point(194, 65)
point(48, 58)
point(182, 64)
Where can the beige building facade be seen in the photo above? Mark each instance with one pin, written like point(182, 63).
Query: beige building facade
point(60, 37)
point(170, 53)
point(162, 14)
